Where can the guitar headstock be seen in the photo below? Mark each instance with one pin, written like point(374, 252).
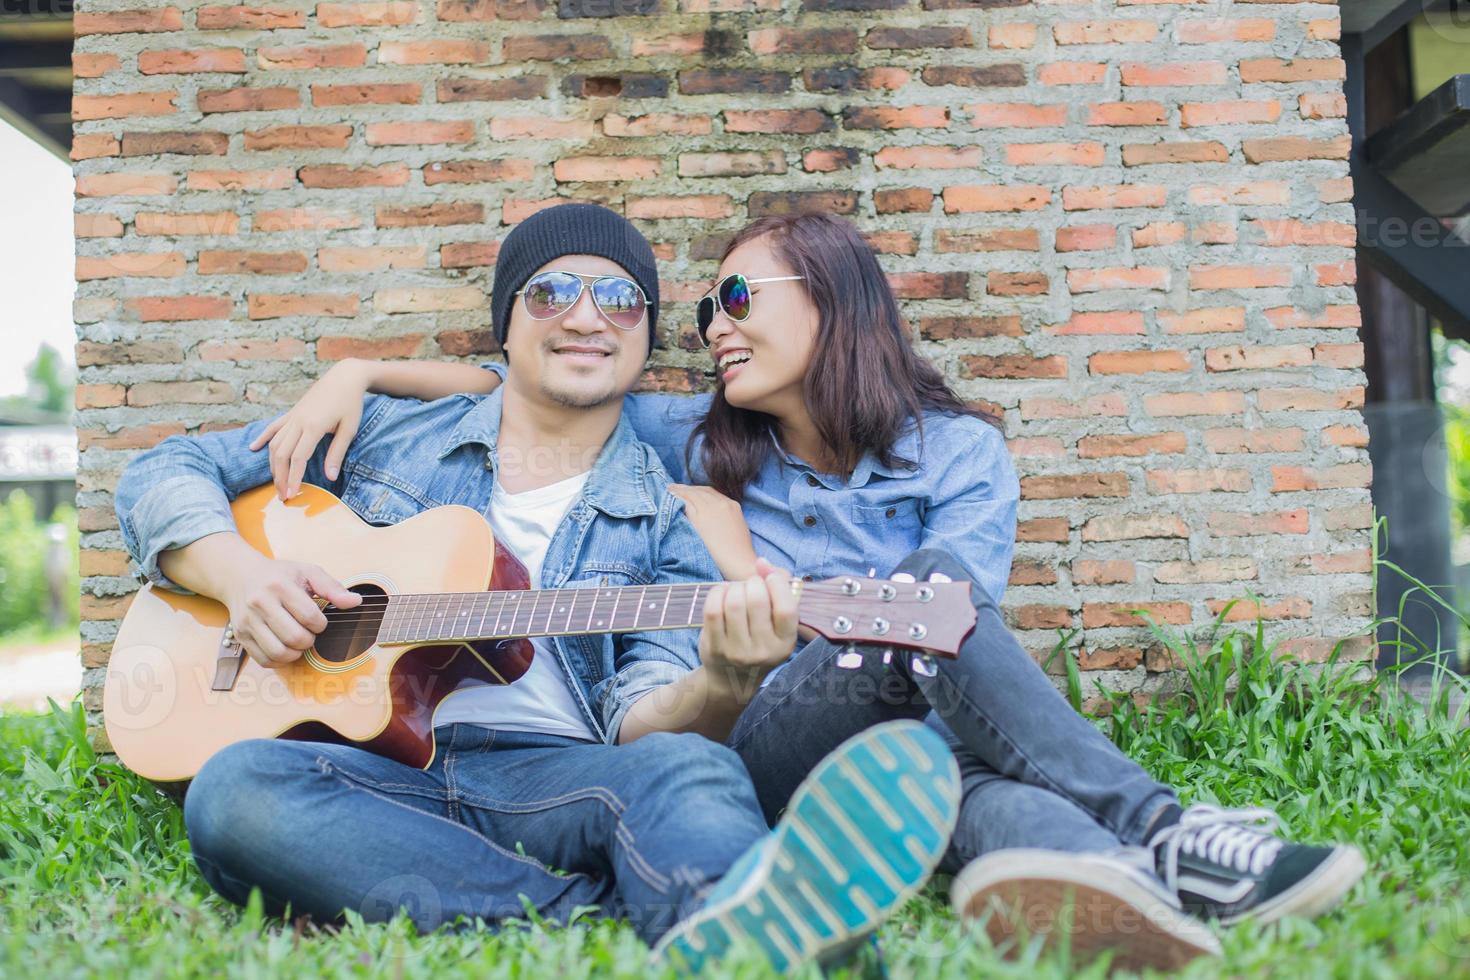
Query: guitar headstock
point(933, 617)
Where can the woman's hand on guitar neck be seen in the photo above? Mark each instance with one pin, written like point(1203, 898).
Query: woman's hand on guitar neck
point(749, 630)
point(334, 404)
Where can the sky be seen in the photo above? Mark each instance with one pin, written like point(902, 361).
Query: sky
point(36, 275)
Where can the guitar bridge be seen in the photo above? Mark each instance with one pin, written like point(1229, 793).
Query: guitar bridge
point(228, 661)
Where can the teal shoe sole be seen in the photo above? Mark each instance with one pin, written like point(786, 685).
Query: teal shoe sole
point(861, 835)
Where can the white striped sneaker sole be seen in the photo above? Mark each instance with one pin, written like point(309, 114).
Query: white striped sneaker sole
point(861, 835)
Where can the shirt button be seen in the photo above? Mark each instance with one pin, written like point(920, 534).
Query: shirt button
point(890, 512)
point(812, 481)
point(809, 520)
point(806, 578)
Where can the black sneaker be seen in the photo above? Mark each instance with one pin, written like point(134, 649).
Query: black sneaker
point(1227, 865)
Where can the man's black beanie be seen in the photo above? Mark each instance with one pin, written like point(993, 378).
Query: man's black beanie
point(570, 229)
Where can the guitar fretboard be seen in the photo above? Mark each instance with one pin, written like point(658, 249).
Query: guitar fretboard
point(451, 616)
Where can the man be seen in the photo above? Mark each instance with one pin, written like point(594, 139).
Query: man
point(574, 767)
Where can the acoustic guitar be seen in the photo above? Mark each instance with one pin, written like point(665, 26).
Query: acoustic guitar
point(444, 608)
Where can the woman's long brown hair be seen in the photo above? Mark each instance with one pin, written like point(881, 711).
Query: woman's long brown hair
point(865, 384)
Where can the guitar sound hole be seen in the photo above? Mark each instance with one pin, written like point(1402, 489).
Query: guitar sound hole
point(351, 632)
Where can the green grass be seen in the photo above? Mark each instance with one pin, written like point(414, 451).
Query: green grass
point(96, 875)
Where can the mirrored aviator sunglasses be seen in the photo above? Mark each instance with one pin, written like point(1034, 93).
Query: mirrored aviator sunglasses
point(733, 296)
point(550, 294)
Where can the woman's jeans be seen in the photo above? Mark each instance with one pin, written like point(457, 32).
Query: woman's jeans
point(640, 830)
point(1035, 772)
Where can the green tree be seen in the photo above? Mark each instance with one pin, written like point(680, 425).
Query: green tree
point(50, 380)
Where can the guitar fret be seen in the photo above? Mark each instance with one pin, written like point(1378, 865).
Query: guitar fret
point(571, 609)
point(592, 610)
point(612, 619)
point(668, 595)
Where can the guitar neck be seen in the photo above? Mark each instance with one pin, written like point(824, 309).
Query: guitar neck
point(457, 616)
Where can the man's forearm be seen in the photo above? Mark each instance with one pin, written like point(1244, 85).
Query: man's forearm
point(426, 380)
point(694, 703)
point(209, 565)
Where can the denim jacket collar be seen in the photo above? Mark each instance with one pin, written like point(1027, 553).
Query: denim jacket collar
point(907, 447)
point(616, 485)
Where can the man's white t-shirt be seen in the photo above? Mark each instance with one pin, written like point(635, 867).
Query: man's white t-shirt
point(541, 701)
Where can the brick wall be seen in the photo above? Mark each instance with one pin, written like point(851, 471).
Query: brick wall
point(1126, 227)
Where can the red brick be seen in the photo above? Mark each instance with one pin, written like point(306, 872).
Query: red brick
point(668, 44)
point(1054, 154)
point(130, 265)
point(996, 240)
point(1043, 529)
point(1158, 233)
point(1309, 399)
point(1282, 148)
point(395, 13)
point(468, 255)
point(1015, 115)
point(444, 51)
point(252, 349)
point(1353, 436)
point(1017, 283)
point(147, 394)
point(1010, 75)
point(792, 121)
point(128, 21)
point(1036, 446)
point(1145, 154)
point(1232, 524)
point(1137, 361)
point(1244, 192)
point(192, 223)
point(705, 206)
point(335, 176)
point(829, 159)
point(1119, 323)
point(1104, 32)
point(929, 285)
point(600, 168)
point(996, 197)
point(1324, 30)
point(907, 199)
point(125, 185)
point(1352, 476)
point(269, 306)
point(1355, 517)
point(183, 61)
point(247, 99)
point(1228, 113)
point(1286, 231)
point(1010, 37)
point(1335, 273)
point(478, 172)
point(746, 164)
point(241, 180)
point(249, 17)
point(1238, 276)
point(129, 437)
point(467, 343)
point(1339, 355)
point(377, 348)
point(406, 93)
point(920, 38)
point(371, 258)
point(1253, 440)
point(1249, 610)
point(93, 65)
point(1012, 366)
point(657, 124)
point(1228, 319)
point(427, 299)
point(239, 263)
point(1339, 563)
point(151, 309)
point(961, 327)
point(98, 396)
point(299, 138)
point(763, 203)
point(1332, 317)
point(1224, 29)
point(1111, 404)
point(893, 242)
point(1194, 403)
point(927, 157)
point(1109, 572)
point(460, 11)
point(420, 133)
point(1076, 485)
point(1071, 73)
point(1322, 105)
point(304, 58)
point(784, 40)
point(896, 117)
point(1038, 617)
point(1101, 446)
point(491, 89)
point(733, 81)
point(1297, 70)
point(1081, 198)
point(1024, 573)
point(1127, 114)
point(96, 608)
point(1099, 280)
point(1199, 481)
point(185, 143)
point(96, 226)
point(1100, 615)
point(1177, 73)
point(90, 146)
point(1208, 570)
point(431, 215)
point(123, 105)
point(542, 128)
point(110, 563)
point(1257, 358)
point(318, 219)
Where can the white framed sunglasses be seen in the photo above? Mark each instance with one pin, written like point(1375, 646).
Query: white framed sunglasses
point(732, 294)
point(620, 300)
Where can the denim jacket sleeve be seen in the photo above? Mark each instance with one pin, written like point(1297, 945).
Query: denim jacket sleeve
point(180, 490)
point(649, 660)
point(973, 512)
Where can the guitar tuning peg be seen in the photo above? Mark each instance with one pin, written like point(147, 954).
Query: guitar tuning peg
point(849, 658)
point(924, 664)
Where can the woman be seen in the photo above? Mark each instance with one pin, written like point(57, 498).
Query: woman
point(847, 451)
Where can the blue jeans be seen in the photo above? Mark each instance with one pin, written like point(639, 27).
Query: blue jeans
point(641, 830)
point(1035, 773)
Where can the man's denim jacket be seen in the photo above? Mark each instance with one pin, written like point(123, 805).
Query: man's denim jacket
point(625, 529)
